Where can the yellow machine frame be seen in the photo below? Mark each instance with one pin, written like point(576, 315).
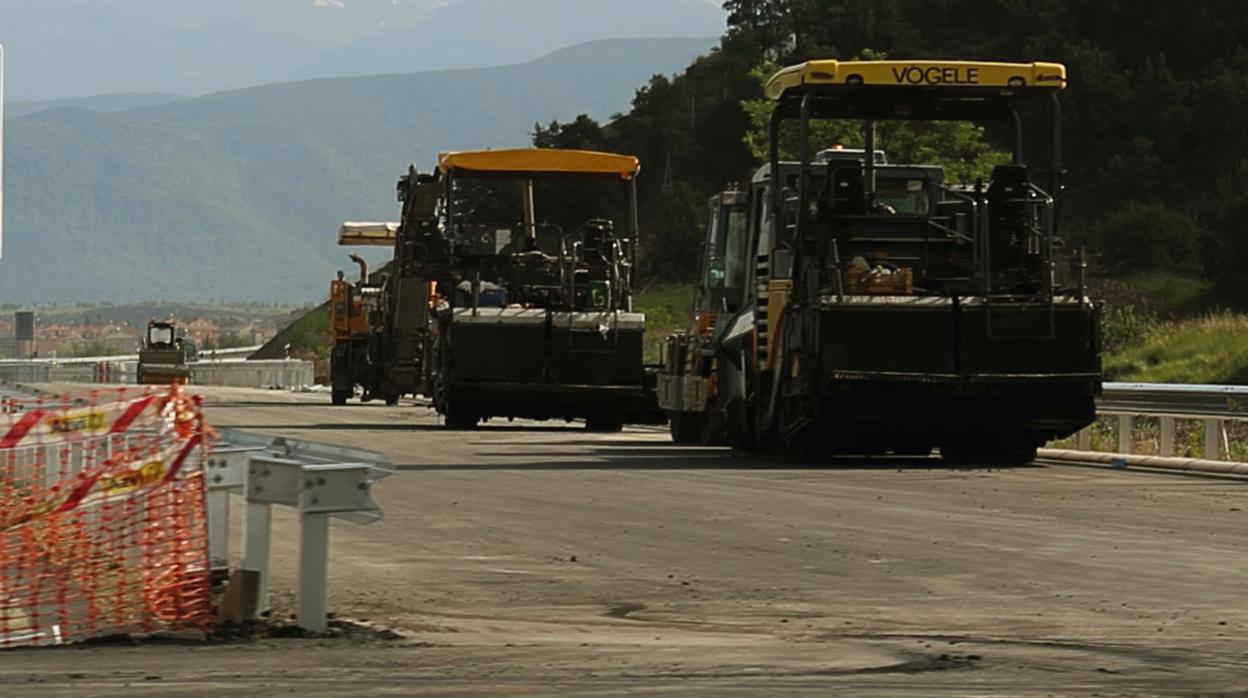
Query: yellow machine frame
point(540, 161)
point(959, 74)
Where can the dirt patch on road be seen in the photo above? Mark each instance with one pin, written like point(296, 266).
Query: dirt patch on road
point(338, 629)
point(251, 631)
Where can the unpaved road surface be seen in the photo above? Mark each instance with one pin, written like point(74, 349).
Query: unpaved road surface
point(540, 560)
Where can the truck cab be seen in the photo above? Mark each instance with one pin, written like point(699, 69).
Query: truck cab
point(687, 380)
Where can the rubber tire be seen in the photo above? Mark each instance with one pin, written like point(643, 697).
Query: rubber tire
point(606, 424)
point(685, 427)
point(392, 400)
point(339, 396)
point(460, 419)
point(713, 433)
point(989, 454)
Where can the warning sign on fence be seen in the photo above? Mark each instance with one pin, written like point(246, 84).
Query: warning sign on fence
point(102, 522)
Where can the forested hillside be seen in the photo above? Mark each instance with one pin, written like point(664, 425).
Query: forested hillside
point(1155, 145)
point(104, 103)
point(238, 195)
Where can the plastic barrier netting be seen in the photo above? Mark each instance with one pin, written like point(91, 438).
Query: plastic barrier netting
point(102, 518)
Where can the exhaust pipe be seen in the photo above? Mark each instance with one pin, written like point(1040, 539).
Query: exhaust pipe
point(363, 267)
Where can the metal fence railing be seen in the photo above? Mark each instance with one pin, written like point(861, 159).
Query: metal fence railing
point(1213, 405)
point(289, 374)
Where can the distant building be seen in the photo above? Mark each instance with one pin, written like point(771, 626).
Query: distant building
point(204, 332)
point(119, 339)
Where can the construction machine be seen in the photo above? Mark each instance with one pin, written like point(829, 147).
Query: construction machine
point(686, 385)
point(163, 358)
point(360, 320)
point(509, 294)
point(534, 311)
point(883, 309)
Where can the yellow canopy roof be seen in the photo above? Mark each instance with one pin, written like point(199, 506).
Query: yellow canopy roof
point(540, 161)
point(353, 233)
point(951, 74)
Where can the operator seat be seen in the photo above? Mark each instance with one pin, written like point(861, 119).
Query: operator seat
point(848, 193)
point(1008, 229)
point(596, 241)
point(1008, 191)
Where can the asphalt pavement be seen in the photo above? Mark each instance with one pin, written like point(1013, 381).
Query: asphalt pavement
point(540, 559)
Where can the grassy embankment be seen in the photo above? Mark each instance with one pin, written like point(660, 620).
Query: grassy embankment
point(1161, 328)
point(1211, 348)
point(668, 307)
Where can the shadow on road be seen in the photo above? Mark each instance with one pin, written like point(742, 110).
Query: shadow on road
point(599, 442)
point(305, 404)
point(335, 426)
point(649, 457)
point(426, 426)
point(210, 404)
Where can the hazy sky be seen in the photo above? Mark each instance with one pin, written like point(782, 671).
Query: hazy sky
point(75, 48)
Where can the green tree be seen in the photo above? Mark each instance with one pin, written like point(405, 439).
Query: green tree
point(958, 146)
point(1230, 238)
point(687, 133)
point(583, 133)
point(675, 227)
point(231, 340)
point(92, 348)
point(1146, 113)
point(1150, 237)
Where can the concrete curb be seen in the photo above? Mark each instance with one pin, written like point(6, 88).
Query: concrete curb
point(1190, 465)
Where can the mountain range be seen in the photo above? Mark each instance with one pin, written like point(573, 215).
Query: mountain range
point(237, 195)
point(59, 49)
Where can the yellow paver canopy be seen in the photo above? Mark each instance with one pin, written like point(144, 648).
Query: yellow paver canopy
point(365, 234)
point(539, 162)
point(932, 74)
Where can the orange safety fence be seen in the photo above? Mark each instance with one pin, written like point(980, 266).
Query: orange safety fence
point(102, 521)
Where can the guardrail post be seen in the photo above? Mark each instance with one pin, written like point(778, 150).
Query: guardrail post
point(313, 571)
point(1215, 439)
point(1126, 435)
point(270, 480)
point(313, 477)
point(1084, 439)
point(227, 473)
point(257, 526)
point(1166, 441)
point(218, 528)
point(243, 467)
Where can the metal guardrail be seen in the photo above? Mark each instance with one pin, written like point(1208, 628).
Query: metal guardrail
point(290, 374)
point(25, 372)
point(319, 480)
point(1171, 400)
point(1214, 405)
point(204, 355)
